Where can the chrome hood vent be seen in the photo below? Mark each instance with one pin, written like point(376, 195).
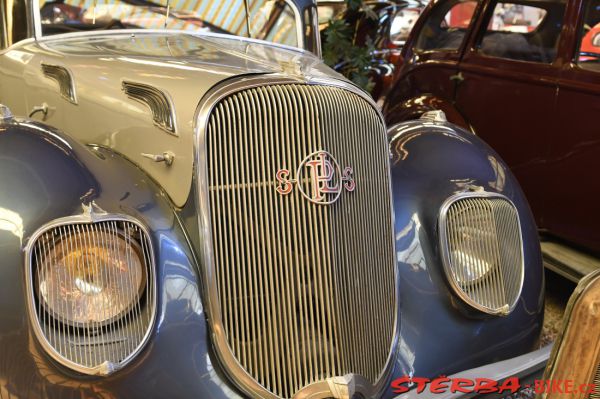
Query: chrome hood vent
point(301, 270)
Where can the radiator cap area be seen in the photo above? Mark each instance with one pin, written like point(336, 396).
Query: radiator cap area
point(434, 116)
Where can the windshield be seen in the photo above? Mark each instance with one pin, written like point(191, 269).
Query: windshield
point(272, 20)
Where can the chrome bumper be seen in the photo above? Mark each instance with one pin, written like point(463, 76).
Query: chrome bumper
point(520, 366)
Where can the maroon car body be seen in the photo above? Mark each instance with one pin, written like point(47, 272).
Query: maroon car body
point(516, 74)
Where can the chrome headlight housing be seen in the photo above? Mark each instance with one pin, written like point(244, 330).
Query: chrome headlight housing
point(482, 250)
point(92, 291)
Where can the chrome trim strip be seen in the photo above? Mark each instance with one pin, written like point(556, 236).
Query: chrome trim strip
point(159, 102)
point(231, 365)
point(63, 76)
point(299, 26)
point(445, 251)
point(89, 216)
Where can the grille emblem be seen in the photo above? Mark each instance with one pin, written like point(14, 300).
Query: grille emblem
point(320, 179)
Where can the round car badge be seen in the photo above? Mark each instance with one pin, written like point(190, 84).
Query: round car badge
point(319, 178)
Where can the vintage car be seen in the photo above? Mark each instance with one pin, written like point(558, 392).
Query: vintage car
point(577, 344)
point(384, 25)
point(193, 205)
point(525, 77)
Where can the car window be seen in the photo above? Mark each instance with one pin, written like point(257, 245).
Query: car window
point(589, 42)
point(403, 22)
point(524, 32)
point(272, 20)
point(446, 27)
point(13, 22)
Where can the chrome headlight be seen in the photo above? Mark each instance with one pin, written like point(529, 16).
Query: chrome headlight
point(92, 290)
point(84, 281)
point(482, 250)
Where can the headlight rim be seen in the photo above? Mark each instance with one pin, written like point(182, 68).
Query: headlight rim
point(91, 214)
point(477, 192)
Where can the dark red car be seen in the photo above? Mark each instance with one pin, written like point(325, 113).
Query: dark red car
point(525, 76)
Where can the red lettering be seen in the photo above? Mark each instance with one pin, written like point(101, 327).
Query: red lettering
point(322, 173)
point(511, 385)
point(556, 388)
point(485, 385)
point(540, 386)
point(348, 180)
point(398, 384)
point(421, 383)
point(439, 385)
point(461, 385)
point(284, 187)
point(569, 385)
point(591, 388)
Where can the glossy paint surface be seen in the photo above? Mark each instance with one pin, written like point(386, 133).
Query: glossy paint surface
point(45, 176)
point(539, 117)
point(49, 176)
point(439, 334)
point(181, 65)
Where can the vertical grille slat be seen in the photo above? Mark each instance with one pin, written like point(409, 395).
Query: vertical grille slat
point(595, 394)
point(483, 250)
point(307, 291)
point(77, 260)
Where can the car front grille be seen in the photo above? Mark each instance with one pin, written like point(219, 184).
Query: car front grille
point(481, 238)
point(305, 279)
point(595, 394)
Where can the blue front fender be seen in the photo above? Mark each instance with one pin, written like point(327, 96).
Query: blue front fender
point(430, 162)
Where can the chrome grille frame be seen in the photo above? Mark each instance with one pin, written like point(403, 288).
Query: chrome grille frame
point(232, 366)
point(89, 217)
point(596, 382)
point(446, 256)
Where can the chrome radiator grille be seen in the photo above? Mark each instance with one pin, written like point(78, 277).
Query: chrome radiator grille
point(596, 391)
point(73, 260)
point(306, 286)
point(483, 250)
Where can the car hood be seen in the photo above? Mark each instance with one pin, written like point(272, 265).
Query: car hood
point(221, 56)
point(182, 66)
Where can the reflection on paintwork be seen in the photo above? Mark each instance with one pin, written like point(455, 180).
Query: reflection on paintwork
point(167, 64)
point(463, 184)
point(19, 56)
point(408, 359)
point(408, 239)
point(12, 222)
point(500, 172)
point(182, 289)
point(48, 132)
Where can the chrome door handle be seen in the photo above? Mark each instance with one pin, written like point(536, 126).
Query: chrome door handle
point(457, 78)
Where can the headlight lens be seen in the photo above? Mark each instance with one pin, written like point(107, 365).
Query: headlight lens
point(482, 250)
point(470, 255)
point(83, 282)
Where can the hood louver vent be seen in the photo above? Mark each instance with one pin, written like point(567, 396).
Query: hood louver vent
point(160, 106)
point(64, 79)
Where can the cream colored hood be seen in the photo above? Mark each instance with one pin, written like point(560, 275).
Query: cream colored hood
point(183, 66)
